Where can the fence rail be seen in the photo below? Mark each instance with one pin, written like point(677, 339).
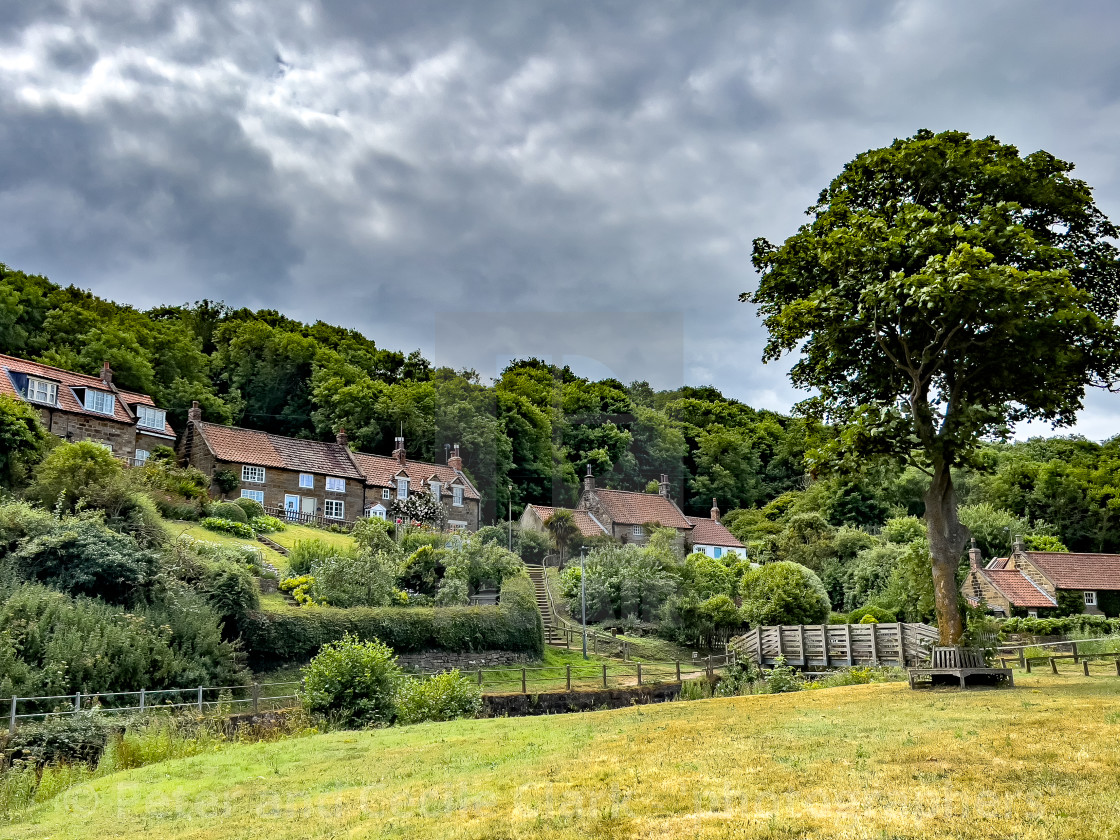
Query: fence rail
point(316, 520)
point(833, 645)
point(278, 695)
point(572, 633)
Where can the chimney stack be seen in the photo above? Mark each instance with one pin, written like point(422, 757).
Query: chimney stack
point(399, 452)
point(663, 486)
point(341, 437)
point(1018, 546)
point(194, 413)
point(715, 511)
point(106, 374)
point(589, 480)
point(974, 556)
point(455, 462)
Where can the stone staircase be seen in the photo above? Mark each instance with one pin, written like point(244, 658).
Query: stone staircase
point(552, 636)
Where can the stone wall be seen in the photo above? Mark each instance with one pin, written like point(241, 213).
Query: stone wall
point(78, 427)
point(439, 660)
point(279, 482)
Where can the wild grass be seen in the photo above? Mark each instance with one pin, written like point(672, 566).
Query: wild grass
point(1038, 762)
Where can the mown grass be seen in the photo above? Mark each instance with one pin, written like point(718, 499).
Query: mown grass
point(197, 532)
point(294, 533)
point(872, 761)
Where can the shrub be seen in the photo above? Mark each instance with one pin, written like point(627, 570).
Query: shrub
point(737, 679)
point(783, 593)
point(226, 480)
point(273, 638)
point(67, 739)
point(267, 524)
point(374, 535)
point(880, 614)
point(71, 472)
point(83, 557)
point(441, 697)
point(306, 553)
point(858, 675)
point(231, 511)
point(352, 682)
point(782, 678)
point(23, 441)
point(250, 507)
point(227, 526)
point(300, 588)
point(365, 580)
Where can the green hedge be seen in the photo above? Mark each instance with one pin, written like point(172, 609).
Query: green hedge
point(1061, 626)
point(295, 635)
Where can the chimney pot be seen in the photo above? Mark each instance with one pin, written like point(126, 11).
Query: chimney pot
point(399, 452)
point(589, 480)
point(1018, 546)
point(106, 373)
point(341, 437)
point(455, 462)
point(663, 486)
point(715, 511)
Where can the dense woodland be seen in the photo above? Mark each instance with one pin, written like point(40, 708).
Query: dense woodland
point(539, 427)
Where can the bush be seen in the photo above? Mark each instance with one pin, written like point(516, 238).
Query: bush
point(231, 511)
point(273, 638)
point(267, 524)
point(227, 526)
point(441, 697)
point(71, 472)
point(366, 580)
point(67, 739)
point(782, 678)
point(880, 615)
point(83, 557)
point(306, 553)
point(783, 593)
point(250, 507)
point(226, 480)
point(1061, 626)
point(23, 441)
point(374, 535)
point(353, 683)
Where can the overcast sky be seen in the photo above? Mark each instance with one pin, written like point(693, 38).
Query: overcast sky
point(489, 180)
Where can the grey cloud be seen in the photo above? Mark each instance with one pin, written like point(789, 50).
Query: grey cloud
point(392, 165)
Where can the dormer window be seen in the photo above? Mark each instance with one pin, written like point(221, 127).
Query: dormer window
point(457, 496)
point(435, 489)
point(402, 488)
point(42, 391)
point(100, 402)
point(150, 418)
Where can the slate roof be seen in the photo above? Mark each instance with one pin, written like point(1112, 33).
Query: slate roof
point(1020, 590)
point(247, 446)
point(382, 470)
point(628, 508)
point(588, 525)
point(709, 532)
point(1078, 571)
point(11, 369)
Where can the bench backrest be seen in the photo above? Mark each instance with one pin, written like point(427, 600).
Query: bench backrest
point(956, 657)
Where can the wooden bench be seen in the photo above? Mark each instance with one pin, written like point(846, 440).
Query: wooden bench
point(957, 662)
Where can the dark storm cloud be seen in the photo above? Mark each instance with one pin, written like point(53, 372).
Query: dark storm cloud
point(403, 167)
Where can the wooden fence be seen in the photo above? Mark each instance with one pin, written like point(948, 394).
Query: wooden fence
point(833, 645)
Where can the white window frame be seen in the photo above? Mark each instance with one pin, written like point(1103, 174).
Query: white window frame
point(255, 495)
point(386, 493)
point(150, 418)
point(1090, 597)
point(638, 532)
point(307, 480)
point(435, 488)
point(42, 391)
point(377, 512)
point(250, 474)
point(457, 496)
point(335, 485)
point(100, 402)
point(334, 509)
point(402, 489)
point(140, 457)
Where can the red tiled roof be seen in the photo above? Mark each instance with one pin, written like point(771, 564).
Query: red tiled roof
point(247, 446)
point(1019, 589)
point(710, 532)
point(629, 508)
point(382, 471)
point(67, 401)
point(1078, 571)
point(588, 525)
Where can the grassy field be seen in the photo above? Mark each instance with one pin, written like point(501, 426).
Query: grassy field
point(874, 761)
point(197, 532)
point(294, 533)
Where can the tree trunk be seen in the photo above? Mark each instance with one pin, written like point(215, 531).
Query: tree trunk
point(947, 539)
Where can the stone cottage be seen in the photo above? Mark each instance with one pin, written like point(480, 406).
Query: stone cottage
point(77, 407)
point(1034, 582)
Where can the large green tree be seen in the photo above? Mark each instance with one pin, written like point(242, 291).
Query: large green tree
point(945, 288)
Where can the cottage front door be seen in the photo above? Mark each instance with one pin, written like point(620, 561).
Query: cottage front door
point(309, 505)
point(291, 506)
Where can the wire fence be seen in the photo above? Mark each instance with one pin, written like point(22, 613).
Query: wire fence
point(266, 696)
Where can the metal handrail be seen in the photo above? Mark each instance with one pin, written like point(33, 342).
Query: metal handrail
point(570, 627)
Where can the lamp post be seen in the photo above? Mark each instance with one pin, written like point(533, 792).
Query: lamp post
point(509, 499)
point(583, 598)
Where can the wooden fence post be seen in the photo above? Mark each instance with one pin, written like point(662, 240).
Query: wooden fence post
point(524, 688)
point(1085, 666)
point(1074, 646)
point(710, 671)
point(480, 677)
point(1053, 664)
point(801, 644)
point(679, 669)
point(824, 640)
point(77, 702)
point(569, 677)
point(1028, 663)
point(142, 698)
point(256, 697)
point(874, 628)
point(1118, 667)
point(848, 637)
point(200, 699)
point(604, 675)
point(639, 673)
point(12, 719)
point(1022, 657)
